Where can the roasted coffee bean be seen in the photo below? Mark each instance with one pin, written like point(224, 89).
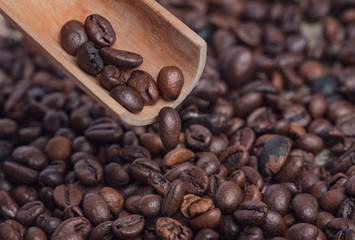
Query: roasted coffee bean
point(12, 230)
point(102, 231)
point(120, 58)
point(72, 36)
point(322, 219)
point(331, 200)
point(176, 157)
point(89, 58)
point(252, 176)
point(198, 137)
point(74, 227)
point(58, 148)
point(305, 207)
point(128, 227)
point(274, 155)
point(170, 82)
point(228, 197)
point(35, 233)
point(173, 198)
point(115, 175)
point(47, 223)
point(111, 77)
point(159, 182)
point(193, 205)
point(113, 198)
point(9, 207)
point(325, 85)
point(251, 213)
point(72, 211)
point(244, 137)
point(304, 231)
point(346, 209)
point(150, 205)
point(169, 127)
point(274, 224)
point(89, 172)
point(141, 169)
point(96, 209)
point(19, 174)
point(237, 65)
point(252, 193)
point(209, 219)
point(28, 213)
point(128, 98)
point(195, 180)
point(207, 234)
point(248, 33)
point(251, 233)
point(30, 156)
point(100, 31)
point(261, 119)
point(209, 164)
point(169, 228)
point(67, 195)
point(227, 228)
point(290, 170)
point(234, 157)
point(145, 85)
point(277, 197)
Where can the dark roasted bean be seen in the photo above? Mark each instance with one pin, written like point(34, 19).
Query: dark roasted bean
point(72, 36)
point(121, 59)
point(128, 98)
point(89, 58)
point(99, 30)
point(96, 209)
point(170, 82)
point(173, 198)
point(128, 227)
point(304, 231)
point(169, 127)
point(111, 77)
point(145, 85)
point(251, 213)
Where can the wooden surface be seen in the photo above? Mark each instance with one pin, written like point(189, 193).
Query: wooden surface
point(141, 26)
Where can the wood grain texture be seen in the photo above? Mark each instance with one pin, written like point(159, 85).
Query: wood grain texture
point(141, 26)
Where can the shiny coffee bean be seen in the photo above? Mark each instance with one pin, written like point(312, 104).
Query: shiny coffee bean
point(67, 195)
point(145, 85)
point(195, 180)
point(28, 213)
point(30, 156)
point(100, 31)
point(305, 207)
point(274, 155)
point(35, 233)
point(96, 209)
point(89, 172)
point(277, 197)
point(128, 98)
point(209, 219)
point(170, 82)
point(111, 77)
point(159, 182)
point(102, 231)
point(128, 227)
point(150, 205)
point(72, 36)
point(173, 198)
point(12, 230)
point(228, 197)
point(234, 157)
point(251, 213)
point(169, 127)
point(304, 231)
point(120, 58)
point(169, 228)
point(9, 207)
point(72, 228)
point(89, 59)
point(193, 205)
point(274, 225)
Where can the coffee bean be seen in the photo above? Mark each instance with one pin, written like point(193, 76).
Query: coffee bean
point(12, 230)
point(305, 207)
point(252, 176)
point(28, 213)
point(47, 223)
point(128, 227)
point(277, 193)
point(322, 219)
point(102, 231)
point(193, 205)
point(173, 198)
point(8, 208)
point(100, 31)
point(207, 233)
point(338, 224)
point(170, 81)
point(72, 36)
point(209, 164)
point(251, 233)
point(169, 127)
point(111, 77)
point(195, 180)
point(113, 198)
point(290, 170)
point(274, 224)
point(145, 85)
point(198, 137)
point(209, 219)
point(72, 228)
point(72, 211)
point(274, 155)
point(35, 233)
point(177, 156)
point(115, 175)
point(234, 199)
point(141, 168)
point(234, 157)
point(248, 33)
point(89, 58)
point(149, 205)
point(96, 209)
point(237, 65)
point(19, 174)
point(58, 148)
point(120, 58)
point(89, 172)
point(30, 156)
point(304, 231)
point(67, 195)
point(128, 98)
point(159, 182)
point(331, 200)
point(169, 228)
point(325, 85)
point(251, 213)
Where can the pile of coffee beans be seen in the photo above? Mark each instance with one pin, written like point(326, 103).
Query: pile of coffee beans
point(91, 44)
point(266, 150)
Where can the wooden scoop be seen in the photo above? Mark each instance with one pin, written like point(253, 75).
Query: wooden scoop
point(141, 26)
